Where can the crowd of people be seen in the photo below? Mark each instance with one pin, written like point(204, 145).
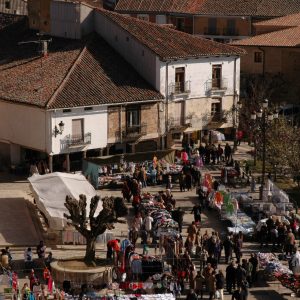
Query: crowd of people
point(39, 270)
point(281, 235)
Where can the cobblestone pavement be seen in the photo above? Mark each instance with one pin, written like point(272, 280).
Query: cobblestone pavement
point(262, 290)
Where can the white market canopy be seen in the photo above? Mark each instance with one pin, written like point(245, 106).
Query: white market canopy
point(50, 191)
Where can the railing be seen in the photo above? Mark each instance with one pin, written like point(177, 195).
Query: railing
point(230, 31)
point(134, 131)
point(131, 132)
point(221, 31)
point(216, 84)
point(218, 117)
point(211, 31)
point(78, 140)
point(179, 123)
point(180, 87)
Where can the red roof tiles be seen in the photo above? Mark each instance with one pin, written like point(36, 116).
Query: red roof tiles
point(73, 75)
point(286, 21)
point(159, 6)
point(283, 38)
point(168, 43)
point(267, 8)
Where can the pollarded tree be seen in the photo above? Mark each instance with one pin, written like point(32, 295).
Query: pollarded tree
point(91, 226)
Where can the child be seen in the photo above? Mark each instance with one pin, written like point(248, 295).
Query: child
point(145, 248)
point(169, 183)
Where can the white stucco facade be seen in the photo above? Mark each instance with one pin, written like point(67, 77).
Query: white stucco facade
point(29, 127)
point(94, 124)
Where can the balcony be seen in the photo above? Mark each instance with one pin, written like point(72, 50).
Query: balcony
point(179, 124)
point(221, 31)
point(183, 87)
point(131, 133)
point(211, 31)
point(78, 140)
point(216, 86)
point(230, 32)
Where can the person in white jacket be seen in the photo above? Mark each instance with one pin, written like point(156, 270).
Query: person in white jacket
point(295, 263)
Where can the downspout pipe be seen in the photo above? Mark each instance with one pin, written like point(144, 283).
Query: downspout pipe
point(264, 65)
point(235, 112)
point(167, 105)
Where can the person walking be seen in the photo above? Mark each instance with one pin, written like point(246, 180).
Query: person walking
point(227, 153)
point(240, 275)
point(220, 282)
point(126, 191)
point(200, 283)
point(148, 225)
point(228, 246)
point(197, 213)
point(254, 261)
point(230, 277)
point(182, 181)
point(41, 250)
point(212, 285)
point(177, 216)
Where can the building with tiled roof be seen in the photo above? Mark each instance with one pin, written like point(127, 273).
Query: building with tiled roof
point(136, 86)
point(277, 24)
point(167, 43)
point(276, 51)
point(282, 38)
point(220, 20)
point(73, 74)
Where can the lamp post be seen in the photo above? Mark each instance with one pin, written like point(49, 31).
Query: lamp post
point(235, 111)
point(262, 118)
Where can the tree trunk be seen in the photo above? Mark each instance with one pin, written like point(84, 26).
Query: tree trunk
point(90, 249)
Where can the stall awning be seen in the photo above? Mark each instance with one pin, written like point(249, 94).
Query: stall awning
point(139, 157)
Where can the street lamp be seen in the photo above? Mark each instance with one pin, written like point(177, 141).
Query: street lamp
point(57, 131)
point(262, 118)
point(235, 110)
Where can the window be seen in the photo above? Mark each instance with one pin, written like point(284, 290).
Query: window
point(212, 26)
point(179, 80)
point(77, 129)
point(133, 117)
point(258, 57)
point(7, 4)
point(88, 108)
point(216, 76)
point(143, 17)
point(180, 24)
point(161, 19)
point(231, 30)
point(216, 110)
point(67, 110)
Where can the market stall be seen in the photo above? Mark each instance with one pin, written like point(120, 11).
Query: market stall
point(274, 269)
point(106, 170)
point(50, 201)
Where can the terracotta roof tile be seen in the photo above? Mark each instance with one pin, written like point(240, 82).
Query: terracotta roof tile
point(72, 75)
point(286, 21)
point(168, 43)
point(267, 8)
point(31, 80)
point(283, 38)
point(101, 76)
point(161, 6)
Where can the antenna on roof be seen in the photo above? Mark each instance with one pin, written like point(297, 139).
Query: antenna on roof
point(44, 43)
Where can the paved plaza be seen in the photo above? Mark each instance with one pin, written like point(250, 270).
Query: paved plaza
point(17, 227)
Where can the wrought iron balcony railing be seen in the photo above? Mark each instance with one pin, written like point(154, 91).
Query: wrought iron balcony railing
point(181, 87)
point(78, 140)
